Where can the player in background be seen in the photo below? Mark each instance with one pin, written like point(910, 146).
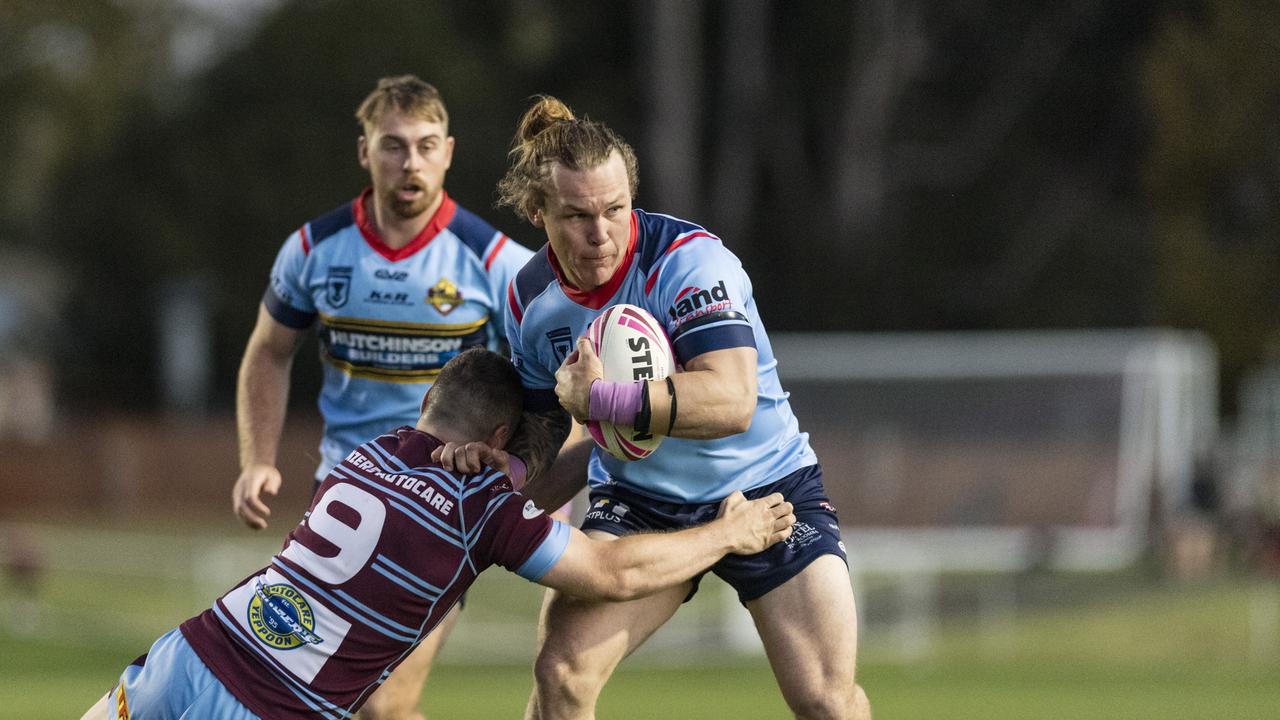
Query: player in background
point(728, 424)
point(389, 545)
point(396, 283)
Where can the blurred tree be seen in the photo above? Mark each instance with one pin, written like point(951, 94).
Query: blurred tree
point(909, 165)
point(672, 39)
point(1212, 173)
point(877, 165)
point(209, 179)
point(70, 72)
point(73, 73)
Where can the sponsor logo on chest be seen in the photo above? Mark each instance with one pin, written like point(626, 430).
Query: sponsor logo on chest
point(281, 617)
point(694, 302)
point(378, 297)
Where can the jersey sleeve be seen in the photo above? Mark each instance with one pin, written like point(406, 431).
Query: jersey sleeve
point(502, 267)
point(523, 539)
point(539, 382)
point(702, 295)
point(287, 299)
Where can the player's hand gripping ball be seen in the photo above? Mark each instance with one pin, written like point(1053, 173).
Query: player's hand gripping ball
point(632, 346)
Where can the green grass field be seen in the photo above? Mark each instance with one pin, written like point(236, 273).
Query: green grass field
point(1134, 651)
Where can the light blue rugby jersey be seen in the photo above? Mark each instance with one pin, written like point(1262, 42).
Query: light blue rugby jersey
point(690, 282)
point(389, 319)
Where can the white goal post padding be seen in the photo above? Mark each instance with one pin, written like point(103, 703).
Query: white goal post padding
point(1000, 449)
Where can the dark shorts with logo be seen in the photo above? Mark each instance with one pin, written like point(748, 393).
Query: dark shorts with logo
point(816, 532)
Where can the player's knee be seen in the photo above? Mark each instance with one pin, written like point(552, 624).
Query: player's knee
point(834, 700)
point(563, 679)
point(818, 707)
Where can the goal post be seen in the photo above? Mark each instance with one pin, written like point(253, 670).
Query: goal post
point(1067, 443)
point(990, 453)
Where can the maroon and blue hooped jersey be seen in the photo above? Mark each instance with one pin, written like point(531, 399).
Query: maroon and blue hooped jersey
point(686, 278)
point(389, 319)
point(390, 543)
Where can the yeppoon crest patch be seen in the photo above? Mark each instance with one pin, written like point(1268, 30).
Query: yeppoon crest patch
point(281, 617)
point(444, 296)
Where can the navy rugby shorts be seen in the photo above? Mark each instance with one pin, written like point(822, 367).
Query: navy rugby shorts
point(619, 511)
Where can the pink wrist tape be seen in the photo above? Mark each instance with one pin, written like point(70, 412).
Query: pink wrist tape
point(517, 471)
point(615, 402)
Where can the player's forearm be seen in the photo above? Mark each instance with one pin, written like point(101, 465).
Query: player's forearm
point(708, 404)
point(262, 397)
point(643, 564)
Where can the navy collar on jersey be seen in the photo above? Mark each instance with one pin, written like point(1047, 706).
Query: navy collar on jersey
point(596, 299)
point(439, 221)
point(416, 446)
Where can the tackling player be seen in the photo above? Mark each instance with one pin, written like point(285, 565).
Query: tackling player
point(389, 545)
point(728, 424)
point(398, 281)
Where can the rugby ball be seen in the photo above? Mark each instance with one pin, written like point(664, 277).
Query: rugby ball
point(632, 346)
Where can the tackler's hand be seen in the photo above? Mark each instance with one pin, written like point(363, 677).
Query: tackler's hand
point(757, 524)
point(471, 457)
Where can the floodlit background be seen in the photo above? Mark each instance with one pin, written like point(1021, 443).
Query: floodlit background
point(1019, 262)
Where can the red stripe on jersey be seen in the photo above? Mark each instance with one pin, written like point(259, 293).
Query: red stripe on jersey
point(596, 299)
point(439, 221)
point(513, 303)
point(494, 253)
point(657, 266)
point(306, 244)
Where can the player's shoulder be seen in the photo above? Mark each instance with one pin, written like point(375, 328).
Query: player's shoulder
point(328, 225)
point(498, 485)
point(658, 235)
point(473, 231)
point(485, 492)
point(531, 281)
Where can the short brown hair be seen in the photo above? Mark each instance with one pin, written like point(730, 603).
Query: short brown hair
point(475, 393)
point(549, 133)
point(406, 94)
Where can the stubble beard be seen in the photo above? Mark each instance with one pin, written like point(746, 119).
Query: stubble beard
point(408, 210)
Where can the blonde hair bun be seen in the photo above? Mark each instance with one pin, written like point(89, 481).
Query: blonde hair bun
point(547, 111)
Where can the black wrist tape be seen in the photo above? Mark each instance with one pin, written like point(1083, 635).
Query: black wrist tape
point(671, 390)
point(645, 415)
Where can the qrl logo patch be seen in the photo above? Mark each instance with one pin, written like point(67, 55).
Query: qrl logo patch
point(561, 340)
point(281, 617)
point(338, 285)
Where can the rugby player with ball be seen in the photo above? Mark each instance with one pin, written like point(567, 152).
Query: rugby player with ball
point(727, 424)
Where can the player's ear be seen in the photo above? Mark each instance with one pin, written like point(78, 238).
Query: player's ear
point(362, 151)
point(500, 437)
point(426, 398)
